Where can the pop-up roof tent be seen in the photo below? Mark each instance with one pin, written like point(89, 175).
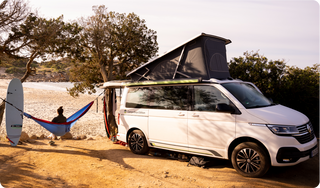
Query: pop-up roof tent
point(203, 56)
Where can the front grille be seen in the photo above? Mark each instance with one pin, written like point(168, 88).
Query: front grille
point(306, 133)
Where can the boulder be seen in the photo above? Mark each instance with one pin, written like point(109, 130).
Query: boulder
point(2, 138)
point(24, 136)
point(34, 137)
point(42, 136)
point(52, 137)
point(32, 141)
point(68, 135)
point(83, 137)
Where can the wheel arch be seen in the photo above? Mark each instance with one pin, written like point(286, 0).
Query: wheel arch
point(132, 129)
point(240, 140)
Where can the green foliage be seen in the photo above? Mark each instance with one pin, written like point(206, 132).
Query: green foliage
point(85, 75)
point(110, 44)
point(290, 86)
point(16, 66)
point(12, 13)
point(39, 37)
point(301, 91)
point(256, 68)
point(60, 65)
point(14, 70)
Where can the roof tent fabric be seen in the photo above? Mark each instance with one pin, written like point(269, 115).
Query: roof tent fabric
point(204, 56)
point(61, 129)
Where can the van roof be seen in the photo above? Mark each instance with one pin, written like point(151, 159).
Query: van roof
point(202, 56)
point(128, 83)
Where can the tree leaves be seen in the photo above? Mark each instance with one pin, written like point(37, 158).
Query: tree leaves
point(291, 86)
point(113, 44)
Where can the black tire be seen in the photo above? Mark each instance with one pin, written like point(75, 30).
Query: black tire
point(250, 160)
point(138, 143)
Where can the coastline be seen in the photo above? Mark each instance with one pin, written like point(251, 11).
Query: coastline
point(43, 103)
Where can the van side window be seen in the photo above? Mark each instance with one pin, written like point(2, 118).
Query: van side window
point(159, 97)
point(169, 97)
point(138, 97)
point(207, 97)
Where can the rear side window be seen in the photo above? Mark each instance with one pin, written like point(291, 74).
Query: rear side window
point(206, 98)
point(160, 97)
point(138, 98)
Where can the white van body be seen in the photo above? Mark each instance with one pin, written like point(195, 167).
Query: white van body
point(282, 136)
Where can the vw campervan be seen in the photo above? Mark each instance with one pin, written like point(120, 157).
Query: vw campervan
point(226, 119)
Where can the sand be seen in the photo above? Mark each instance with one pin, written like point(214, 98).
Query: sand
point(43, 104)
point(100, 163)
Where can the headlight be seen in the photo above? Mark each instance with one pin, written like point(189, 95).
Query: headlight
point(283, 129)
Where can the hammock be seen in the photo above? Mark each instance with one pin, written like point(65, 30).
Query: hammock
point(61, 129)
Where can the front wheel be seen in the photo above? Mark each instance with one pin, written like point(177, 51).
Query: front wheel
point(138, 143)
point(250, 160)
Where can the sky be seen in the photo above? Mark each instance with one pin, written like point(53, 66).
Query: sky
point(278, 29)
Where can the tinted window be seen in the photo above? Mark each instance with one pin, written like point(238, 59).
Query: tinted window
point(169, 97)
point(207, 97)
point(138, 98)
point(162, 97)
point(247, 95)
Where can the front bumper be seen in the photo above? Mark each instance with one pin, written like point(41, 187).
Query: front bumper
point(292, 154)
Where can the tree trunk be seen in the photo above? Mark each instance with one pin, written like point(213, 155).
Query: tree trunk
point(113, 127)
point(29, 70)
point(2, 107)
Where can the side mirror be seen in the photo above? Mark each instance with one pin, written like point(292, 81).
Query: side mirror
point(222, 107)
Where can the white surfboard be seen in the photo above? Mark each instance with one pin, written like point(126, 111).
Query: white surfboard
point(14, 117)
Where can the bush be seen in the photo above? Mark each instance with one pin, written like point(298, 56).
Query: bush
point(290, 86)
point(14, 70)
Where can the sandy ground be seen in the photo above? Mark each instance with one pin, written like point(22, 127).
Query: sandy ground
point(100, 163)
point(43, 104)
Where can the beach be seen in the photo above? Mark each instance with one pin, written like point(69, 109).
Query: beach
point(43, 104)
point(98, 162)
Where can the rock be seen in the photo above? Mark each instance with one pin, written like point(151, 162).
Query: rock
point(52, 136)
point(77, 138)
point(68, 135)
point(90, 138)
point(99, 137)
point(42, 136)
point(32, 141)
point(4, 139)
point(34, 137)
point(24, 136)
point(83, 137)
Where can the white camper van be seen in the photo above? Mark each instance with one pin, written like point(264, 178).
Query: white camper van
point(226, 119)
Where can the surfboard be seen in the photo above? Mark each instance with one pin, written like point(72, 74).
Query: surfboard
point(14, 117)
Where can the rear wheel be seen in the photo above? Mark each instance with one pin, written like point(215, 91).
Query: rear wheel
point(138, 143)
point(250, 160)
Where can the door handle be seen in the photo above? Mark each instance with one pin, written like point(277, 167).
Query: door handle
point(195, 115)
point(181, 114)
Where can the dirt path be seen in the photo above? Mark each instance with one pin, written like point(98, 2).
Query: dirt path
point(100, 163)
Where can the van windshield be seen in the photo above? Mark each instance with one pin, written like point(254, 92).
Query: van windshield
point(247, 95)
